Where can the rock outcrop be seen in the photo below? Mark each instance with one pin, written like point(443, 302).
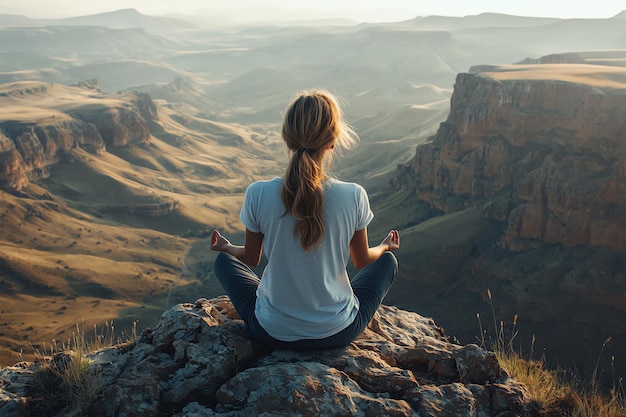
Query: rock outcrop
point(12, 172)
point(545, 145)
point(28, 147)
point(122, 127)
point(128, 124)
point(198, 360)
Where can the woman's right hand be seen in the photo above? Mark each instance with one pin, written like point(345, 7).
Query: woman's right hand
point(392, 240)
point(218, 242)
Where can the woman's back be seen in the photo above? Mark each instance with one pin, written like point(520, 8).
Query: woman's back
point(305, 293)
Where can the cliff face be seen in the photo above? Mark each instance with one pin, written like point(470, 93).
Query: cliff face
point(121, 127)
point(549, 154)
point(198, 360)
point(29, 149)
point(29, 146)
point(12, 173)
point(129, 124)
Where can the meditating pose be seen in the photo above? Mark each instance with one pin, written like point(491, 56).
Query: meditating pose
point(309, 226)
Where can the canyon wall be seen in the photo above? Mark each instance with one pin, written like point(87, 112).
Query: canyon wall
point(545, 150)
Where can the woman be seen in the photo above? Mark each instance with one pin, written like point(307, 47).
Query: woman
point(309, 225)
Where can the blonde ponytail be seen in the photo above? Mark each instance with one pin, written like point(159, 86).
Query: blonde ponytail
point(311, 128)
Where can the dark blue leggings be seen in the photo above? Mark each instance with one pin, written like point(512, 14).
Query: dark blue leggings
point(370, 285)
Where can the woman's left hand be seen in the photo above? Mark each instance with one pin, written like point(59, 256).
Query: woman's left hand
point(392, 240)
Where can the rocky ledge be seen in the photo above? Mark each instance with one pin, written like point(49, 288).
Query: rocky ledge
point(198, 360)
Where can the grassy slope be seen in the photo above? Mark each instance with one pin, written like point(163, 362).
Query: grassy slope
point(59, 267)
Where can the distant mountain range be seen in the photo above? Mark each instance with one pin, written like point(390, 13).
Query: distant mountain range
point(120, 19)
point(131, 18)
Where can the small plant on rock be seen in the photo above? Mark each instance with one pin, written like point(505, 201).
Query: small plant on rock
point(67, 381)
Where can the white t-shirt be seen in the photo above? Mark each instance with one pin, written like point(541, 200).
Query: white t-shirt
point(305, 295)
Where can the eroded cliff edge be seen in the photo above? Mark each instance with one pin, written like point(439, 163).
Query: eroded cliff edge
point(40, 124)
point(198, 360)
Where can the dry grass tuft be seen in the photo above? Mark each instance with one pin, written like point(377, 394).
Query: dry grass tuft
point(554, 392)
point(66, 381)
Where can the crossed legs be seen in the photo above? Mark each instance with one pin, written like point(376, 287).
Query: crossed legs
point(370, 285)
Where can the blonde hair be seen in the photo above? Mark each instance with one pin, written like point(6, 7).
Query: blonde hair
point(312, 126)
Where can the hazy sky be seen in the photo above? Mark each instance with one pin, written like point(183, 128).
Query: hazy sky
point(368, 10)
